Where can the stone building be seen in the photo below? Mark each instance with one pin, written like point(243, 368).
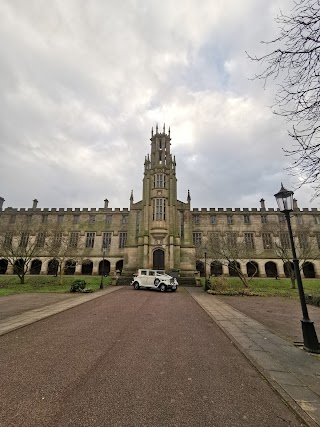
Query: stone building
point(162, 232)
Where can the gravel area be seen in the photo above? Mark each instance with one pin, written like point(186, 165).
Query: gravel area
point(132, 358)
point(12, 305)
point(281, 315)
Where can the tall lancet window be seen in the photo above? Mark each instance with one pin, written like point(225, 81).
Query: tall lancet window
point(159, 180)
point(159, 210)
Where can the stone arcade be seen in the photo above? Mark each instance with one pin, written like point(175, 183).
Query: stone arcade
point(161, 231)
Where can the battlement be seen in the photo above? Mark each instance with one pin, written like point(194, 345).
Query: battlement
point(64, 210)
point(249, 210)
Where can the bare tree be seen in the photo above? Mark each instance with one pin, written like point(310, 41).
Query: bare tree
point(306, 247)
point(227, 247)
point(295, 63)
point(67, 249)
point(20, 243)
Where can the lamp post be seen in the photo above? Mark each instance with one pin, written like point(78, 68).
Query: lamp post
point(102, 269)
point(205, 271)
point(284, 200)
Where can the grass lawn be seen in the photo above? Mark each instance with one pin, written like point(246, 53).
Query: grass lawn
point(11, 284)
point(269, 286)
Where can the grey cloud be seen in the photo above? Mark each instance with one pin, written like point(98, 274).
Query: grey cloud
point(82, 86)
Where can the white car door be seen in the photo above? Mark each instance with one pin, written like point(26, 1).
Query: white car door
point(151, 278)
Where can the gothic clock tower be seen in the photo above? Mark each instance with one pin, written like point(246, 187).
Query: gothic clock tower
point(159, 215)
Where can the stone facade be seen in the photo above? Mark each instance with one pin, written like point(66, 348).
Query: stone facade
point(161, 231)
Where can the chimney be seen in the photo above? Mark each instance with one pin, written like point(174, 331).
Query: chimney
point(106, 202)
point(295, 204)
point(263, 206)
point(1, 203)
point(34, 205)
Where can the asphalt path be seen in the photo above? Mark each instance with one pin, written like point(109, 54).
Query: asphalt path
point(132, 358)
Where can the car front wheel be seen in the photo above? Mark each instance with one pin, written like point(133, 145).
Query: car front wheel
point(162, 287)
point(136, 285)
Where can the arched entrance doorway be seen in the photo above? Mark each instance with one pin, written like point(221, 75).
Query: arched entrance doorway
point(158, 259)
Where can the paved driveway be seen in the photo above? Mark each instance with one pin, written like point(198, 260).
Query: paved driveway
point(132, 358)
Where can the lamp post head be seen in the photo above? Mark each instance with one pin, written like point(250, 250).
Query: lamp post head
point(284, 199)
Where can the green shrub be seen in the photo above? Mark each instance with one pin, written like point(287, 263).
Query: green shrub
point(313, 300)
point(233, 292)
point(219, 284)
point(78, 286)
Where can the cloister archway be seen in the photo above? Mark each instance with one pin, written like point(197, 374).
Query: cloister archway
point(18, 266)
point(36, 266)
point(53, 266)
point(87, 267)
point(119, 265)
point(104, 267)
point(3, 266)
point(308, 270)
point(252, 269)
point(233, 267)
point(288, 269)
point(69, 267)
point(216, 268)
point(271, 269)
point(200, 268)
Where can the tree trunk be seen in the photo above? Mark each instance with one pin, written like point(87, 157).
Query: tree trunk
point(21, 279)
point(293, 281)
point(243, 279)
point(60, 274)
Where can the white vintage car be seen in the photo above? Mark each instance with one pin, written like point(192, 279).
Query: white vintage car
point(154, 279)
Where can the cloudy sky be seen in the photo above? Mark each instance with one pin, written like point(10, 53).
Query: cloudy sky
point(83, 81)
